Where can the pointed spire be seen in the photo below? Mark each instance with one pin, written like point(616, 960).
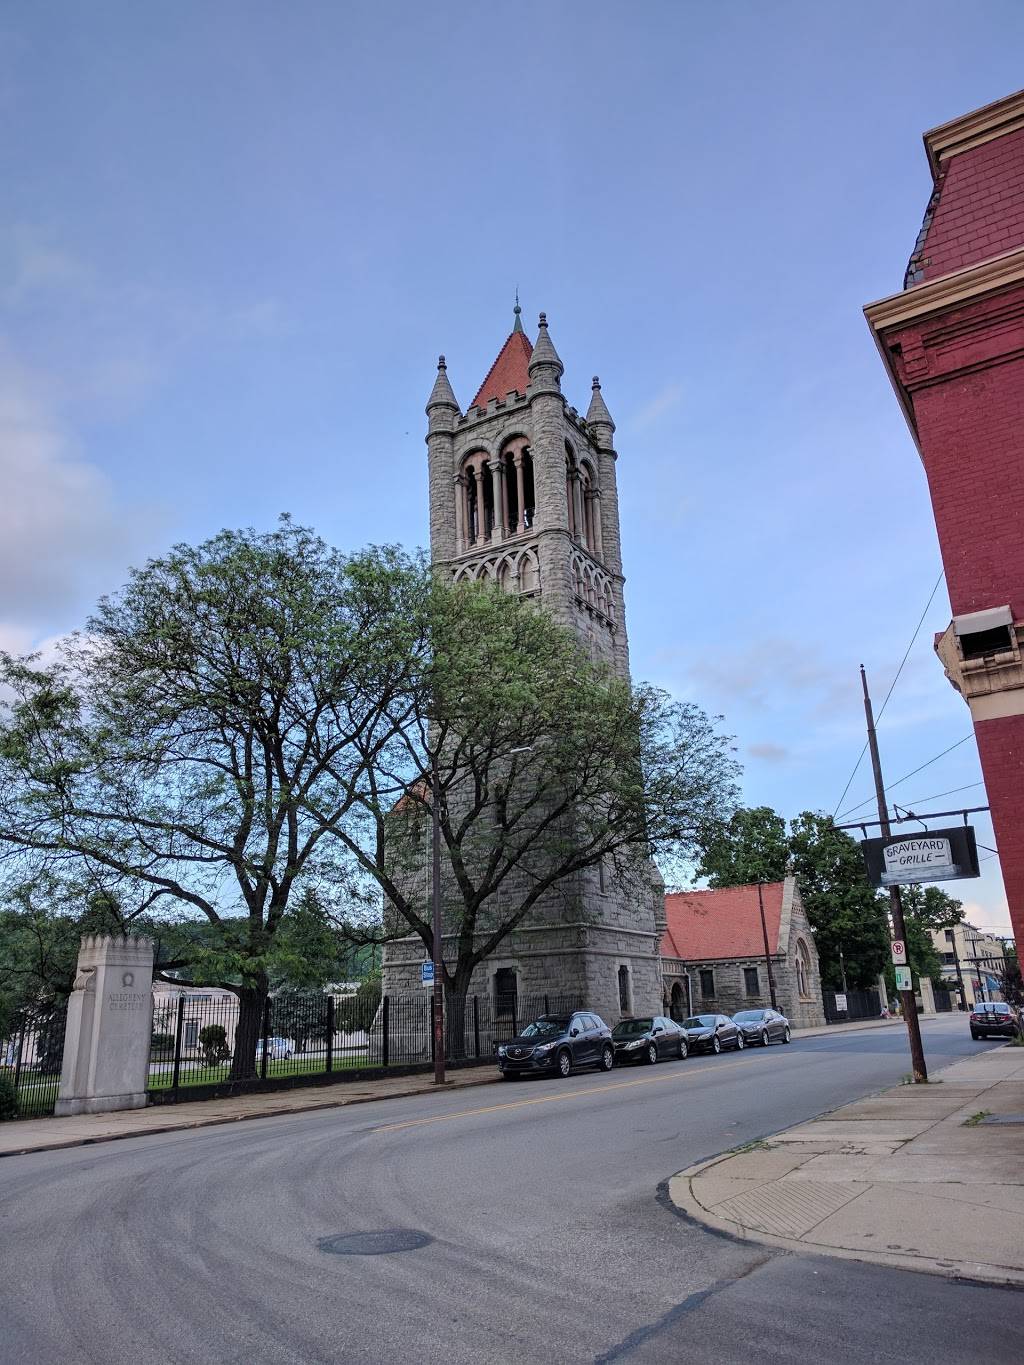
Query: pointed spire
point(517, 326)
point(441, 395)
point(598, 412)
point(544, 353)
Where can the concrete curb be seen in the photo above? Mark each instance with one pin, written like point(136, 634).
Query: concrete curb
point(683, 1198)
point(680, 1193)
point(219, 1120)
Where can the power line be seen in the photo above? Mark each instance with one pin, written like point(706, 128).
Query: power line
point(888, 694)
point(919, 800)
point(889, 785)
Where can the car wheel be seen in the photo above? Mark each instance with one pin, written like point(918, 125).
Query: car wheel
point(765, 1040)
point(607, 1058)
point(741, 1042)
point(787, 1036)
point(684, 1051)
point(564, 1062)
point(716, 1045)
point(974, 1035)
point(652, 1053)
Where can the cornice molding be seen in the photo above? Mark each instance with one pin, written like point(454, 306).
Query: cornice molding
point(971, 130)
point(948, 291)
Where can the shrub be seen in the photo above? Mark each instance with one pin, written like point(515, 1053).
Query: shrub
point(161, 1044)
point(8, 1099)
point(214, 1044)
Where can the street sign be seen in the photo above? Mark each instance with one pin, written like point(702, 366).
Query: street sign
point(899, 953)
point(426, 973)
point(940, 855)
point(903, 981)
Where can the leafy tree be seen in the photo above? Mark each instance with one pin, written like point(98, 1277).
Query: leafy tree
point(299, 1014)
point(1011, 986)
point(355, 1013)
point(925, 909)
point(198, 743)
point(848, 916)
point(547, 765)
point(752, 847)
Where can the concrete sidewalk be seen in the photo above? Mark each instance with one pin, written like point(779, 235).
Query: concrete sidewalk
point(43, 1134)
point(926, 1177)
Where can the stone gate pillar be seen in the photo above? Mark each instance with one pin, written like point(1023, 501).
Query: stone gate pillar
point(110, 1018)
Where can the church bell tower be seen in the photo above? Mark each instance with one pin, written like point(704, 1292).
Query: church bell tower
point(523, 492)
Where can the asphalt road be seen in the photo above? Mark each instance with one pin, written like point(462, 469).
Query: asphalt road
point(549, 1240)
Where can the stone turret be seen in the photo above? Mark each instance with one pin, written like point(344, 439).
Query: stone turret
point(442, 415)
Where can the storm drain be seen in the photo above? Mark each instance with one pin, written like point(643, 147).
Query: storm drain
point(383, 1243)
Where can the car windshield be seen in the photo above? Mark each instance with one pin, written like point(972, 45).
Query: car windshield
point(629, 1028)
point(701, 1021)
point(546, 1028)
point(749, 1016)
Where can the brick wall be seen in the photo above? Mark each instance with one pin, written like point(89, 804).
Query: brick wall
point(1001, 749)
point(978, 209)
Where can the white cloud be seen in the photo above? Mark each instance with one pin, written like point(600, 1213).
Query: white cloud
point(61, 532)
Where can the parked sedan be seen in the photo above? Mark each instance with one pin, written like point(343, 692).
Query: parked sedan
point(712, 1033)
point(648, 1040)
point(762, 1026)
point(993, 1019)
point(556, 1044)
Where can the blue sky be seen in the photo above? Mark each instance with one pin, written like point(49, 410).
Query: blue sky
point(236, 236)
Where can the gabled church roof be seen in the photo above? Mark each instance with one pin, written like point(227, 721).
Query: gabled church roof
point(704, 925)
point(510, 370)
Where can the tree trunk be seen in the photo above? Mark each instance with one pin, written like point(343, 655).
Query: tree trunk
point(251, 1000)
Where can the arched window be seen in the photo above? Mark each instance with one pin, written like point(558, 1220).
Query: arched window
point(481, 495)
point(573, 499)
point(517, 472)
point(803, 970)
point(677, 1008)
point(624, 989)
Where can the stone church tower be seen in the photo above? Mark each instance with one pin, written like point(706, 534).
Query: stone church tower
point(523, 491)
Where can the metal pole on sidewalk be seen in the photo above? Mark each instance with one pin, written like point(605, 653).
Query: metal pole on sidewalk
point(438, 997)
point(767, 950)
point(907, 999)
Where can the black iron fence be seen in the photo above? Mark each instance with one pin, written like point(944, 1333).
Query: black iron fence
point(843, 1006)
point(203, 1040)
point(943, 998)
point(31, 1053)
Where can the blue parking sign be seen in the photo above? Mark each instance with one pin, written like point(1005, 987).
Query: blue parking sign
point(426, 974)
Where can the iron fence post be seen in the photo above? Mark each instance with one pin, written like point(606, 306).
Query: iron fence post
point(20, 1053)
point(476, 1027)
point(178, 1030)
point(266, 1038)
point(330, 1033)
point(547, 1006)
point(515, 1024)
point(385, 1031)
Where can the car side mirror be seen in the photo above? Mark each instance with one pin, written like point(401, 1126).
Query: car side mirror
point(659, 1029)
point(574, 1033)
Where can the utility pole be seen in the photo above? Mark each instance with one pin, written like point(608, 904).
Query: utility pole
point(767, 951)
point(907, 1000)
point(437, 1000)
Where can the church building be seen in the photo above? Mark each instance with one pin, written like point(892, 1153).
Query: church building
point(523, 492)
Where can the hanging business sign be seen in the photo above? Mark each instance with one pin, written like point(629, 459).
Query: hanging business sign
point(940, 855)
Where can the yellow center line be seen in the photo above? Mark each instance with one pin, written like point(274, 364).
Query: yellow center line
point(555, 1099)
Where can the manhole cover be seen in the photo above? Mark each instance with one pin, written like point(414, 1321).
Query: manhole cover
point(374, 1243)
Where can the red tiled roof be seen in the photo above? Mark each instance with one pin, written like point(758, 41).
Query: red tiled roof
point(510, 370)
point(703, 925)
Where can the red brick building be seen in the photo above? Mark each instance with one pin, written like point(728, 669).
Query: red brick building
point(953, 344)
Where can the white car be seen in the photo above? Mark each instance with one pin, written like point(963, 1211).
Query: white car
point(277, 1048)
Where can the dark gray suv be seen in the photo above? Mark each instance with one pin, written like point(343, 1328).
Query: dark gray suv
point(555, 1044)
